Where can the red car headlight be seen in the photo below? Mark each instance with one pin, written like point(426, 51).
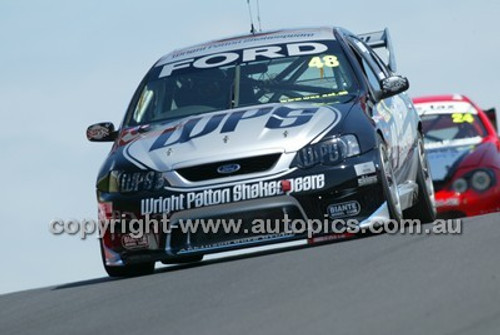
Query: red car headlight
point(460, 185)
point(481, 180)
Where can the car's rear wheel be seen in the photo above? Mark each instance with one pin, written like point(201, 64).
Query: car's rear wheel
point(389, 183)
point(424, 209)
point(129, 270)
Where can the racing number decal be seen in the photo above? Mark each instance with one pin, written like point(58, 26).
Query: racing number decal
point(462, 117)
point(327, 60)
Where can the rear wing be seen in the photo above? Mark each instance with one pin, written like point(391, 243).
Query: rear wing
point(493, 116)
point(381, 40)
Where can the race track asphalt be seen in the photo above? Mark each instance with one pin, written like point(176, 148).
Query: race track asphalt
point(384, 284)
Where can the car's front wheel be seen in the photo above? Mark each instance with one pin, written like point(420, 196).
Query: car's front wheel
point(132, 270)
point(129, 270)
point(424, 209)
point(389, 183)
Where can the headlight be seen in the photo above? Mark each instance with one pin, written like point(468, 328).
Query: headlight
point(328, 152)
point(460, 185)
point(481, 180)
point(126, 182)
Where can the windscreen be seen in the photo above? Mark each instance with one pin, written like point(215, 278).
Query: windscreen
point(315, 72)
point(451, 127)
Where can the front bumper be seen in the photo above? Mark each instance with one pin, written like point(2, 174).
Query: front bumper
point(324, 193)
point(450, 204)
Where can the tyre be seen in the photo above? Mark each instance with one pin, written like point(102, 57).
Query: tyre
point(424, 209)
point(130, 270)
point(389, 183)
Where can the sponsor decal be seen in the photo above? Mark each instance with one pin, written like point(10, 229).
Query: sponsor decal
point(244, 55)
point(364, 168)
point(139, 181)
point(263, 124)
point(129, 242)
point(275, 118)
point(238, 192)
point(344, 209)
point(367, 180)
point(261, 39)
point(245, 240)
point(97, 132)
point(458, 107)
point(314, 96)
point(330, 237)
point(447, 202)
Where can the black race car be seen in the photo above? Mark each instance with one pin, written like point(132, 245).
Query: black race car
point(287, 126)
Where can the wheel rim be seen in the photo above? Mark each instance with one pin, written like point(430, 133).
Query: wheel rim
point(392, 185)
point(427, 174)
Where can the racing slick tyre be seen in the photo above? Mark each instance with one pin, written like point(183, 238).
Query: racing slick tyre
point(389, 183)
point(130, 270)
point(424, 209)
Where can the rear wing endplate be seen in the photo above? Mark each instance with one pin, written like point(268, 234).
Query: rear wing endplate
point(381, 39)
point(492, 114)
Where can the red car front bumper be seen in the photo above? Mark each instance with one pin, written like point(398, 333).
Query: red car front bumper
point(470, 203)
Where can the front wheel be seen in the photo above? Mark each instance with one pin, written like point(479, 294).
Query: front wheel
point(129, 270)
point(424, 209)
point(389, 183)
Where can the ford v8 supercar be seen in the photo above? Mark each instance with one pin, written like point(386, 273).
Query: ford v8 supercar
point(464, 154)
point(292, 124)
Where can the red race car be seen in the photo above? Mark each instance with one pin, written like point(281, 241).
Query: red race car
point(463, 149)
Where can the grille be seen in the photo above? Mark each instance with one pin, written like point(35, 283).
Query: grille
point(232, 239)
point(247, 165)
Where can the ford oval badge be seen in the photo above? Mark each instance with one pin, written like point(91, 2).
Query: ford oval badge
point(228, 168)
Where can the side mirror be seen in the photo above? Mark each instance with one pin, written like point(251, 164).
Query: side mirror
point(394, 85)
point(102, 132)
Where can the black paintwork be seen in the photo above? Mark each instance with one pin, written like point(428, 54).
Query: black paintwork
point(367, 116)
